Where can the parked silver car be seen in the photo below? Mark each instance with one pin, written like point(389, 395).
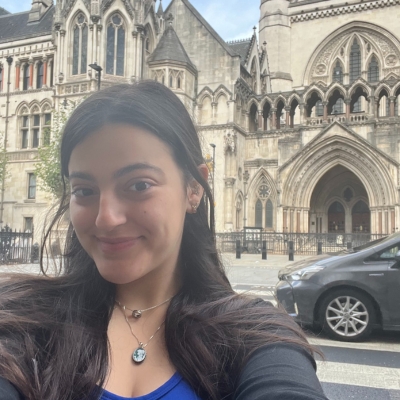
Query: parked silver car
point(348, 294)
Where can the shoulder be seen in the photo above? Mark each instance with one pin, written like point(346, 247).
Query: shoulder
point(8, 391)
point(282, 370)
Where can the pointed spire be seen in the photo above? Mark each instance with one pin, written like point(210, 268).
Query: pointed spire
point(160, 11)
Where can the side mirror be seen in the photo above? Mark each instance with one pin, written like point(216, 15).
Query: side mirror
point(397, 256)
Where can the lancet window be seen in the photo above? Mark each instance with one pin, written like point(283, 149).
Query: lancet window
point(25, 76)
point(373, 70)
point(355, 61)
point(39, 76)
point(338, 73)
point(115, 63)
point(80, 43)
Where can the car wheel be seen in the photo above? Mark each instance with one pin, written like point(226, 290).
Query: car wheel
point(347, 315)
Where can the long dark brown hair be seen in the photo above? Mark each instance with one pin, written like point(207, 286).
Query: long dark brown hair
point(53, 329)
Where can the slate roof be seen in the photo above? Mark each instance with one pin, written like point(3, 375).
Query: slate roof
point(3, 11)
point(15, 26)
point(170, 48)
point(242, 48)
point(206, 25)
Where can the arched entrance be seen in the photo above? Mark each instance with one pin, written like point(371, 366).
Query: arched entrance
point(339, 203)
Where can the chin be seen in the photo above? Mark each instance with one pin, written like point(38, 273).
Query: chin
point(118, 273)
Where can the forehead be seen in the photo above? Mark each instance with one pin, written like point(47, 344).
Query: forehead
point(116, 145)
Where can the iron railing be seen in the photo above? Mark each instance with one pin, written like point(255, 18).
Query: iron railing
point(303, 243)
point(17, 247)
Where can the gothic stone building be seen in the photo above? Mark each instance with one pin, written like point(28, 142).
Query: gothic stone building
point(304, 116)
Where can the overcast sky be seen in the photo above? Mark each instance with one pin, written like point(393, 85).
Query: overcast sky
point(232, 20)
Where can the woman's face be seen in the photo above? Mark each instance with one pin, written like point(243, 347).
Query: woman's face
point(128, 203)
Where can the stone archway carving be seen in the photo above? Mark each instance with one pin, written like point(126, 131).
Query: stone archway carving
point(340, 146)
point(335, 46)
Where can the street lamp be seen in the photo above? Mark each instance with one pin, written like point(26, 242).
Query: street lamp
point(9, 62)
point(213, 175)
point(98, 69)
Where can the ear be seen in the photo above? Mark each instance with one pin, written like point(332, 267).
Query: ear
point(195, 191)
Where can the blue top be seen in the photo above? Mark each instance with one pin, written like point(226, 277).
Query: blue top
point(174, 389)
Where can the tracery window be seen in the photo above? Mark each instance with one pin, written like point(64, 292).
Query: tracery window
point(80, 43)
point(373, 70)
point(35, 126)
point(24, 131)
point(39, 77)
point(338, 73)
point(25, 77)
point(355, 61)
point(35, 130)
point(115, 46)
point(264, 209)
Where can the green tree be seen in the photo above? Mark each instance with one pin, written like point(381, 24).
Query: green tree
point(48, 166)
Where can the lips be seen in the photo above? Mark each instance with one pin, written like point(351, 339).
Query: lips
point(110, 245)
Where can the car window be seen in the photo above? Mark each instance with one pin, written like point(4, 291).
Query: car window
point(388, 254)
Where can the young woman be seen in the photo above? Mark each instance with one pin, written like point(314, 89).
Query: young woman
point(142, 308)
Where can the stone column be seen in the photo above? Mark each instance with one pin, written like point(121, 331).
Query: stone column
point(273, 118)
point(30, 74)
point(17, 74)
point(62, 55)
point(45, 72)
point(302, 113)
point(372, 105)
point(325, 117)
point(260, 121)
point(347, 103)
point(229, 182)
point(392, 99)
point(288, 125)
point(213, 111)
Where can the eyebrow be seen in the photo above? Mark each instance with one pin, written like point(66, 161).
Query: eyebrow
point(121, 172)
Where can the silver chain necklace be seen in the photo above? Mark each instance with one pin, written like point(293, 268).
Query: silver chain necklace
point(139, 354)
point(138, 313)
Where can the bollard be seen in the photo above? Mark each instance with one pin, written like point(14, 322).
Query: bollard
point(264, 250)
point(349, 246)
point(291, 250)
point(319, 252)
point(237, 248)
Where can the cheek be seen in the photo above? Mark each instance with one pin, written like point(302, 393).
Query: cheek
point(80, 217)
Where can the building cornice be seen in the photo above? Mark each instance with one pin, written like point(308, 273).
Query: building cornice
point(333, 11)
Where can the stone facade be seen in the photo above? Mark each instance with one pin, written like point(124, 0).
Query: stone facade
point(304, 118)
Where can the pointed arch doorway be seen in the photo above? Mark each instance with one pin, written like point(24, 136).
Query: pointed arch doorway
point(339, 203)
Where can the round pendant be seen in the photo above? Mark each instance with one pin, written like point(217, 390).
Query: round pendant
point(139, 355)
point(136, 313)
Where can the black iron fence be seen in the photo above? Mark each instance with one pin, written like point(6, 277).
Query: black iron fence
point(17, 247)
point(251, 241)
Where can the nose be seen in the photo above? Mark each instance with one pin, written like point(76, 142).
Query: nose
point(110, 213)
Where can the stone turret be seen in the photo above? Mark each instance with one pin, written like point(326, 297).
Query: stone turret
point(276, 31)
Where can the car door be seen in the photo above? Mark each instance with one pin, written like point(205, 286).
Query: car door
point(391, 308)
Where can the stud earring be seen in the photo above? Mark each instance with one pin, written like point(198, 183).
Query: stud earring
point(194, 208)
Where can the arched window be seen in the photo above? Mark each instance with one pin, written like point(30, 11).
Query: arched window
point(269, 214)
point(115, 46)
point(319, 109)
point(148, 44)
point(178, 83)
point(337, 75)
point(26, 77)
point(259, 211)
point(79, 58)
point(373, 70)
point(171, 81)
point(1, 79)
point(355, 61)
point(51, 73)
point(39, 77)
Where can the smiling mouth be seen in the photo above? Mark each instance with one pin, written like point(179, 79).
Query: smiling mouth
point(111, 245)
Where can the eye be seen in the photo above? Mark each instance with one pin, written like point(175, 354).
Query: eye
point(82, 192)
point(140, 186)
